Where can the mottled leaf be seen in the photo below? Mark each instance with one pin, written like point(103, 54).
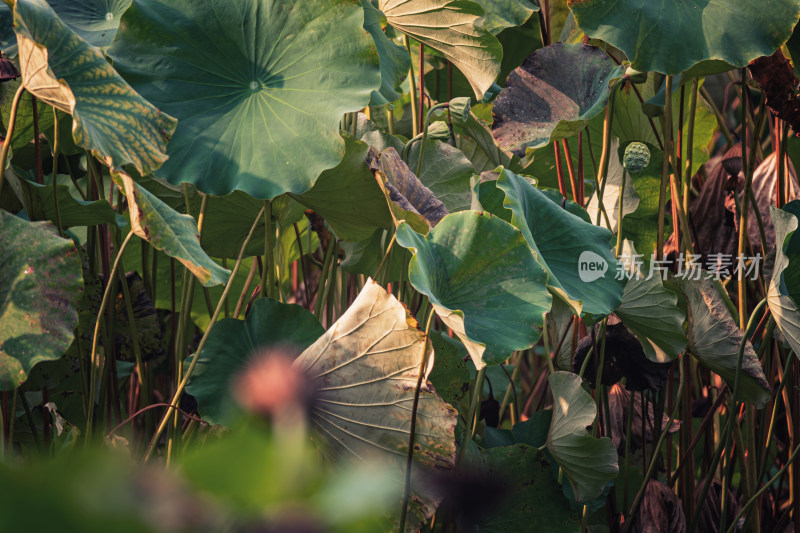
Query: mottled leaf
point(552, 95)
point(63, 70)
point(40, 284)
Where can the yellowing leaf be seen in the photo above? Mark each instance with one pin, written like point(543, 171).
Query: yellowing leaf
point(365, 369)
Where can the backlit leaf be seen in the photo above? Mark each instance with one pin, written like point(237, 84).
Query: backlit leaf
point(63, 70)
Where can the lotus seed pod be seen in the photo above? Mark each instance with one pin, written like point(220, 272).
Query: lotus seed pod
point(459, 108)
point(637, 157)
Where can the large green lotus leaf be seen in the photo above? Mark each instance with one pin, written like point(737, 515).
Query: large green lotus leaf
point(450, 374)
point(670, 37)
point(39, 204)
point(483, 283)
point(564, 243)
point(453, 27)
point(95, 21)
point(232, 346)
point(348, 197)
point(40, 284)
point(502, 14)
point(784, 308)
point(714, 339)
point(110, 118)
point(791, 252)
point(446, 171)
point(554, 93)
point(531, 500)
point(793, 46)
point(8, 39)
point(365, 370)
point(259, 86)
point(588, 463)
point(169, 231)
point(394, 59)
point(650, 311)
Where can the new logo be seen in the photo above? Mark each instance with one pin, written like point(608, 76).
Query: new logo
point(591, 266)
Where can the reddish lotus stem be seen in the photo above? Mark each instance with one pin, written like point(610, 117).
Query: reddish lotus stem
point(562, 187)
point(572, 180)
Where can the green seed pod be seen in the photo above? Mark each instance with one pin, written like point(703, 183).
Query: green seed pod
point(459, 108)
point(636, 157)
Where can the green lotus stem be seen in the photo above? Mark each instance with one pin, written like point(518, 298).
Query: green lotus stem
point(510, 389)
point(723, 125)
point(687, 178)
point(733, 407)
point(620, 214)
point(96, 336)
point(55, 169)
point(763, 489)
point(662, 195)
point(407, 147)
point(600, 178)
point(322, 277)
point(245, 289)
point(173, 404)
point(330, 284)
point(413, 84)
point(187, 301)
point(599, 381)
point(2, 435)
point(546, 341)
point(385, 257)
point(474, 400)
point(628, 429)
point(656, 453)
point(766, 341)
point(9, 134)
point(268, 272)
point(748, 178)
point(410, 456)
point(390, 120)
point(704, 489)
point(137, 351)
point(424, 134)
point(782, 140)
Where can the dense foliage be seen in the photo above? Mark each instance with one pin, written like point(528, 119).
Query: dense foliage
point(399, 265)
